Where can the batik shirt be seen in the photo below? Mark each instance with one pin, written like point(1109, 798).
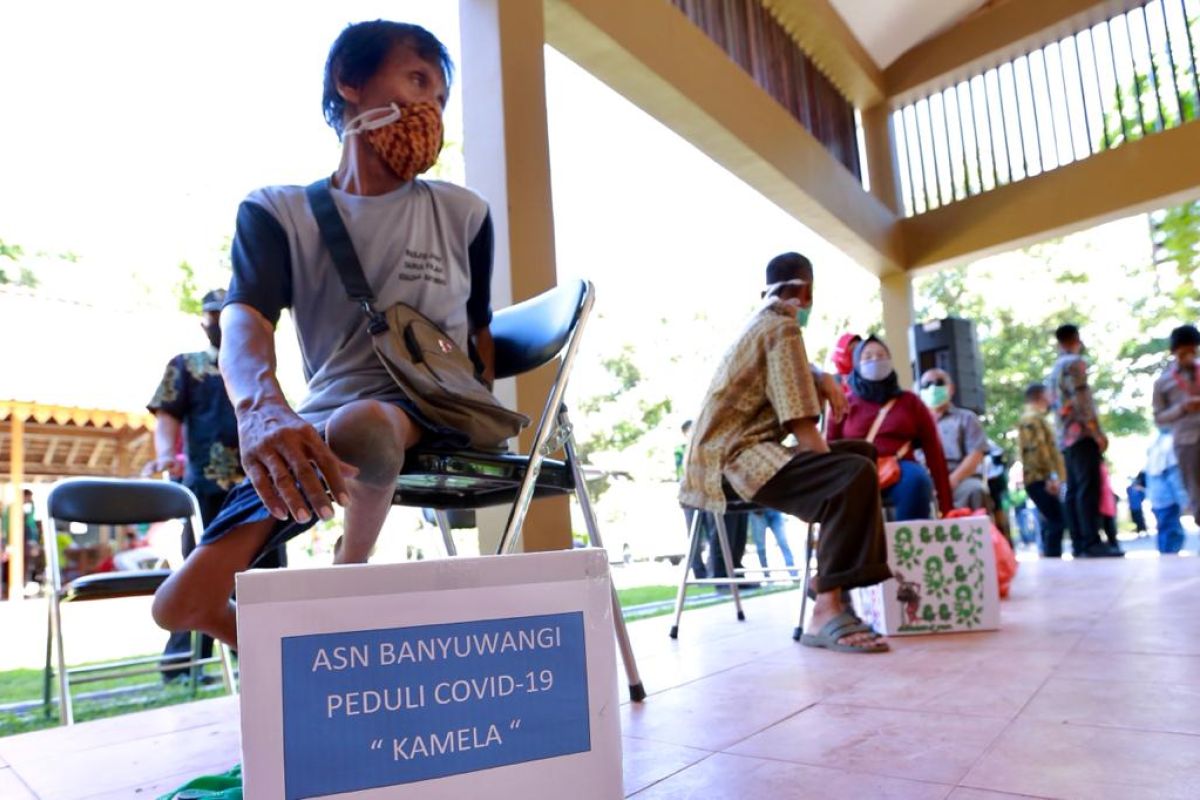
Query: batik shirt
point(1039, 453)
point(1074, 411)
point(1172, 390)
point(763, 383)
point(192, 391)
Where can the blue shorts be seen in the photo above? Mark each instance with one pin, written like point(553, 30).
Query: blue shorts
point(243, 506)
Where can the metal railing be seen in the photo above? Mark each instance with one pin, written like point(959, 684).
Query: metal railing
point(1127, 77)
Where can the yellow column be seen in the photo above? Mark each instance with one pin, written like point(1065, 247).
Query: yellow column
point(16, 508)
point(882, 166)
point(896, 292)
point(507, 154)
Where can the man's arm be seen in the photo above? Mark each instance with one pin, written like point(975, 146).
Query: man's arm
point(279, 449)
point(975, 441)
point(1166, 413)
point(166, 433)
point(1083, 404)
point(966, 468)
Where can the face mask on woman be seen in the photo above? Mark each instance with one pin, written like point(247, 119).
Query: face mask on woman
point(877, 370)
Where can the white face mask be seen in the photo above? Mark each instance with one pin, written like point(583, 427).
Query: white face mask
point(876, 370)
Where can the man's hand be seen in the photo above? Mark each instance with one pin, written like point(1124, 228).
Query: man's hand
point(1192, 404)
point(831, 392)
point(1102, 441)
point(1052, 487)
point(169, 464)
point(808, 438)
point(286, 459)
point(954, 481)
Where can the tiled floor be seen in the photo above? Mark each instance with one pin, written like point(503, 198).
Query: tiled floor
point(1091, 690)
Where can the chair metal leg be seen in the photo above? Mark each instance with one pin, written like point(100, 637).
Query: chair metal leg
point(693, 551)
point(66, 713)
point(227, 668)
point(809, 552)
point(637, 692)
point(49, 650)
point(727, 557)
point(195, 669)
point(443, 521)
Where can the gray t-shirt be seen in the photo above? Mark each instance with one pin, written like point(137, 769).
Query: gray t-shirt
point(427, 244)
point(961, 435)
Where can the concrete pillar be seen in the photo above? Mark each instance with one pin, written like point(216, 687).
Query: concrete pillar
point(896, 292)
point(883, 167)
point(507, 153)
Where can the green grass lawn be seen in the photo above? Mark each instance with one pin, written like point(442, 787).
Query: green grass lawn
point(22, 685)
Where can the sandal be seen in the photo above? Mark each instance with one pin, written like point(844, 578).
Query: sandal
point(844, 624)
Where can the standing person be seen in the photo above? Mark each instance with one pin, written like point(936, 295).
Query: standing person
point(1043, 467)
point(763, 391)
point(1164, 488)
point(963, 440)
point(424, 243)
point(1177, 404)
point(190, 405)
point(1135, 493)
point(1082, 442)
point(760, 523)
point(898, 424)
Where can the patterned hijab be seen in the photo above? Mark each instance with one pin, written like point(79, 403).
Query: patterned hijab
point(878, 392)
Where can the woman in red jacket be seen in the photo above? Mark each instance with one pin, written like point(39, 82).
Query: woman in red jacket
point(906, 426)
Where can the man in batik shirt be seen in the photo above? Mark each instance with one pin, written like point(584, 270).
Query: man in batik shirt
point(191, 406)
point(1082, 443)
point(763, 391)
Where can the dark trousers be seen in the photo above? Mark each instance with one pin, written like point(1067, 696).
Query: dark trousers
point(1053, 524)
point(1083, 494)
point(839, 490)
point(179, 643)
point(1188, 456)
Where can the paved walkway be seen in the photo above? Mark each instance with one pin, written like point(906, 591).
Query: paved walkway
point(1091, 690)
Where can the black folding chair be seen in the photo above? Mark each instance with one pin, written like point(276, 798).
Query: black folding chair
point(106, 501)
point(527, 335)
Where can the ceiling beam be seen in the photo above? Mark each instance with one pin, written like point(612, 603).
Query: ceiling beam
point(1139, 176)
point(991, 37)
point(828, 41)
point(652, 55)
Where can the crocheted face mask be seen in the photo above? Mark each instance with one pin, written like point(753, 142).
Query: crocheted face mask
point(407, 138)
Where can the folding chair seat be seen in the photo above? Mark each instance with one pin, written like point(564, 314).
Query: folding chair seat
point(106, 501)
point(526, 335)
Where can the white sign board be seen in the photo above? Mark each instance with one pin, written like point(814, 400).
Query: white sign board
point(944, 579)
point(466, 677)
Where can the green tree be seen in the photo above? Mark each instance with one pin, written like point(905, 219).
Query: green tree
point(16, 273)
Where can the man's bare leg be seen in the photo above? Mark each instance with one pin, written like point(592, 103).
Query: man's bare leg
point(196, 596)
point(372, 436)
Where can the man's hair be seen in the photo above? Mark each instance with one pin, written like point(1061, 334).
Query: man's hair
point(788, 267)
point(1067, 334)
point(1034, 392)
point(1184, 336)
point(360, 50)
point(687, 425)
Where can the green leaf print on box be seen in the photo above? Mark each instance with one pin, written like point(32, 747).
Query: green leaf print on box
point(949, 592)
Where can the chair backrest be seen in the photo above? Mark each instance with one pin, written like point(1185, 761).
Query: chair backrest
point(533, 332)
point(113, 501)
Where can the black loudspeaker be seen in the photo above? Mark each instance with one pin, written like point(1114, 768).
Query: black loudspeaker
point(951, 344)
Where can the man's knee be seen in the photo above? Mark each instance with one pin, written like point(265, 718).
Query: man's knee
point(180, 606)
point(364, 434)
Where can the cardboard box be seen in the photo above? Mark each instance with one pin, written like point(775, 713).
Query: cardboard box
point(944, 579)
point(465, 677)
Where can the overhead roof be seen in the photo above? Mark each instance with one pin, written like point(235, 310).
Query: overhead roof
point(887, 29)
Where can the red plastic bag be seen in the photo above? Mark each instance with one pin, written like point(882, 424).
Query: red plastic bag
point(1006, 559)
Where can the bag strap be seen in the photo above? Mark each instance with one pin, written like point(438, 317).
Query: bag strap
point(879, 418)
point(341, 249)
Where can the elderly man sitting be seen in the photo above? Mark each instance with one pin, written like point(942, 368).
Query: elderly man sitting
point(963, 440)
point(763, 391)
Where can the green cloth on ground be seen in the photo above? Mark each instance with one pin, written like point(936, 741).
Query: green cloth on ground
point(226, 786)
